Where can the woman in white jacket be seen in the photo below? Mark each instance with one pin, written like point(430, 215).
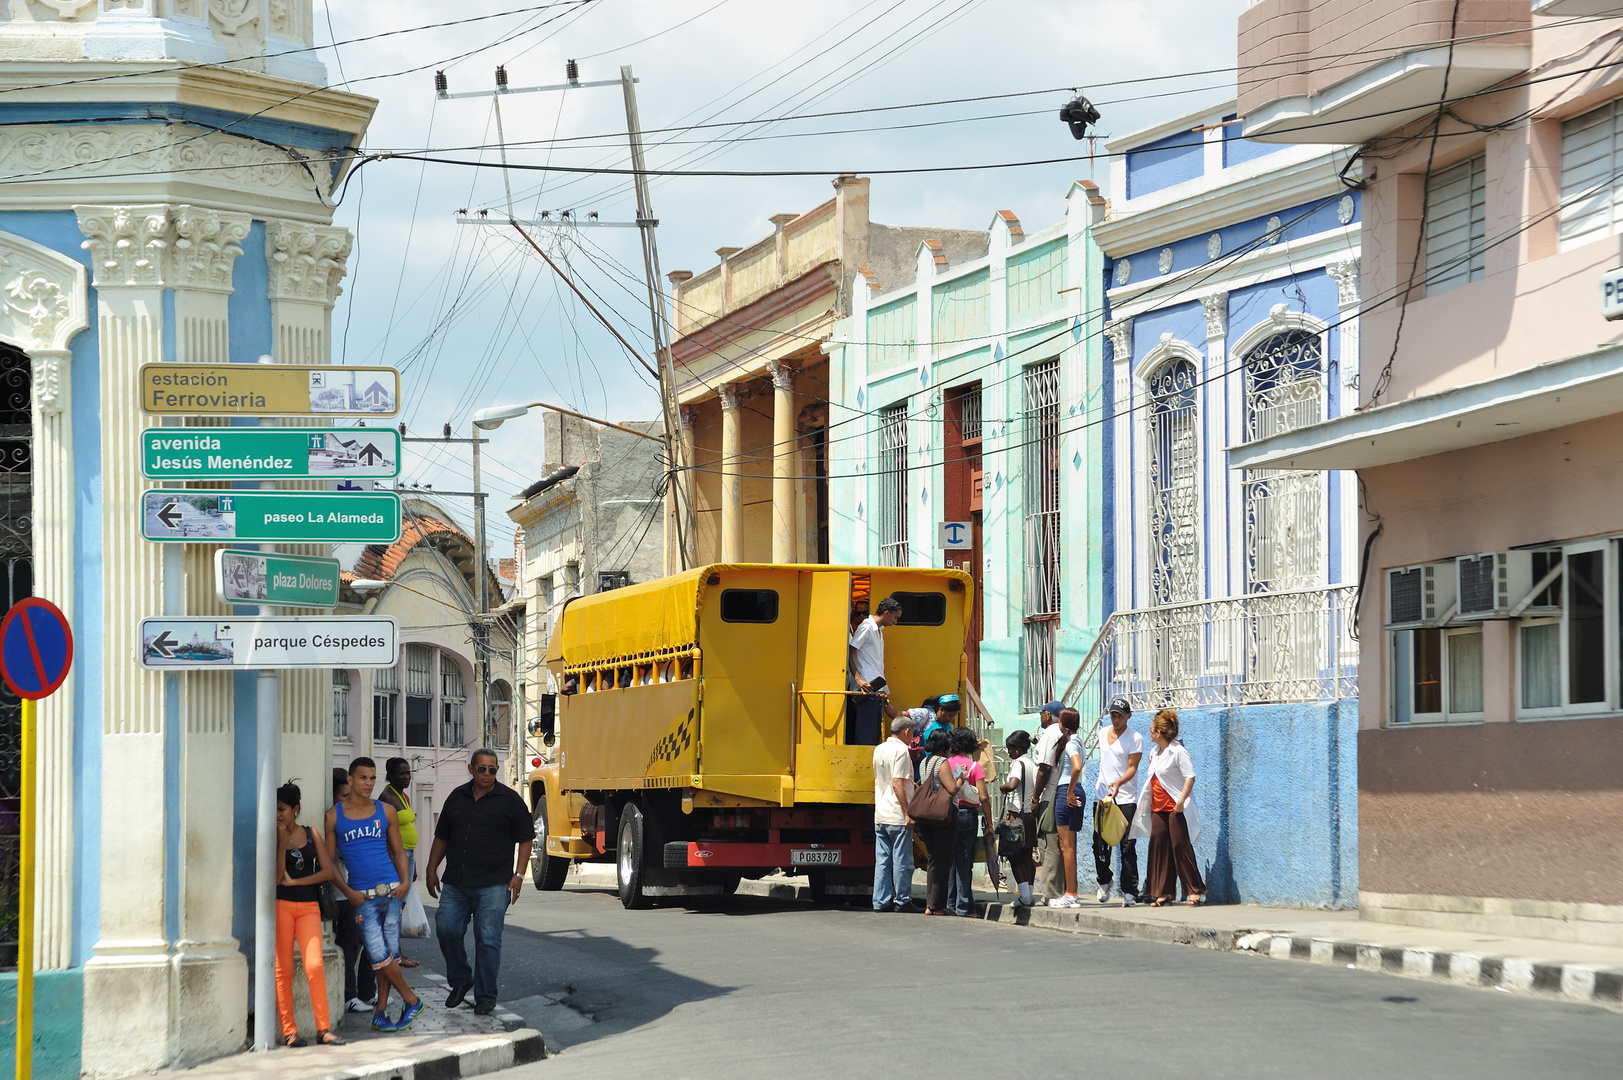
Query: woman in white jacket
point(1166, 814)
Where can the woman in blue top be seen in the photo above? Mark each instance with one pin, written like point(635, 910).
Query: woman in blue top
point(365, 834)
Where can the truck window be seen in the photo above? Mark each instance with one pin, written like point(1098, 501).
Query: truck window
point(922, 608)
point(755, 605)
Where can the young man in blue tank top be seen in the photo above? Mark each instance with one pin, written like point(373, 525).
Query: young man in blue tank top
point(365, 835)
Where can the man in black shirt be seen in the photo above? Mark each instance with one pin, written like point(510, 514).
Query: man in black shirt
point(479, 824)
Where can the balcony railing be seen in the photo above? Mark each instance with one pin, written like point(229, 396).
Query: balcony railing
point(1264, 648)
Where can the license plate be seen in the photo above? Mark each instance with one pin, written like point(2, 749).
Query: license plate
point(813, 857)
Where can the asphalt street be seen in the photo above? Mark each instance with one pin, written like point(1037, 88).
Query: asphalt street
point(763, 988)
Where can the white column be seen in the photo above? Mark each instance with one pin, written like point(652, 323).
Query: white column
point(732, 481)
point(1214, 512)
point(1120, 333)
point(783, 462)
point(211, 974)
point(1346, 275)
point(128, 982)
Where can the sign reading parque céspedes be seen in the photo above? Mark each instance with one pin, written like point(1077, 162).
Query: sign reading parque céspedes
point(292, 517)
point(275, 641)
point(253, 577)
point(269, 453)
point(268, 390)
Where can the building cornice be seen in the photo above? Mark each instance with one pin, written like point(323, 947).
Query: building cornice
point(757, 317)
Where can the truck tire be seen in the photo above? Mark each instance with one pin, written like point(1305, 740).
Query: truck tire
point(631, 867)
point(547, 871)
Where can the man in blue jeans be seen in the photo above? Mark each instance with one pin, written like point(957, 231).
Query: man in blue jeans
point(479, 825)
point(892, 825)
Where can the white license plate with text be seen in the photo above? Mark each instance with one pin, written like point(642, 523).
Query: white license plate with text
point(813, 857)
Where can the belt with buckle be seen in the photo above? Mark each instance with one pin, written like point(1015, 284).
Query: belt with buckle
point(381, 891)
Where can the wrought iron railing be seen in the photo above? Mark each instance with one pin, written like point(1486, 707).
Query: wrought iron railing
point(1263, 648)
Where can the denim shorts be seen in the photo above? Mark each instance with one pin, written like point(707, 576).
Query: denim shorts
point(379, 917)
point(1070, 817)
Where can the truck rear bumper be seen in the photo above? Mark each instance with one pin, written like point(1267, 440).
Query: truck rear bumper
point(717, 854)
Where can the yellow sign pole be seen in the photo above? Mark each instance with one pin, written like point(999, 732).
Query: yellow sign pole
point(25, 902)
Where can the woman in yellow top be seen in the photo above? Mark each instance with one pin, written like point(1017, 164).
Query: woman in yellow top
point(397, 771)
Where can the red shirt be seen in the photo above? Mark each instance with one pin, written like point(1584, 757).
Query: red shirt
point(1160, 801)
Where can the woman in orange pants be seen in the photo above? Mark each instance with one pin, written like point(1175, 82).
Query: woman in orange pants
point(298, 917)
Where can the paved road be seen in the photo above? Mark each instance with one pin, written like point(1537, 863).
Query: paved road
point(777, 989)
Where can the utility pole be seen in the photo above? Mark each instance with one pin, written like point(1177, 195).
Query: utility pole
point(676, 452)
point(481, 625)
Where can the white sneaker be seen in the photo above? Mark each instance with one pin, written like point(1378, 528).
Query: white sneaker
point(356, 1005)
point(1129, 900)
point(1066, 901)
point(1103, 894)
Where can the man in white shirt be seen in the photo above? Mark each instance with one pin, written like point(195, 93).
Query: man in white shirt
point(867, 661)
point(1120, 748)
point(1046, 757)
point(893, 832)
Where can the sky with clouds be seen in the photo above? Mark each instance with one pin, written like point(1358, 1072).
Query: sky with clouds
point(473, 317)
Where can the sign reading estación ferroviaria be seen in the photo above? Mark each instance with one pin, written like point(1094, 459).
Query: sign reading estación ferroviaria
point(255, 390)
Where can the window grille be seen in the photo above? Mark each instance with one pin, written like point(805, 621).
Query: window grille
point(385, 718)
point(1174, 463)
point(419, 671)
point(386, 678)
point(452, 702)
point(893, 485)
point(969, 414)
point(16, 582)
point(1591, 176)
point(1455, 230)
point(1040, 459)
point(1284, 384)
point(340, 704)
point(501, 715)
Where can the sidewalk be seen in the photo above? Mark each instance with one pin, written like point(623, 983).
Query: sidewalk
point(443, 1044)
point(1591, 974)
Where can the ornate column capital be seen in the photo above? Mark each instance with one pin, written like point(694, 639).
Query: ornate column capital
point(1217, 314)
point(686, 415)
point(205, 248)
point(728, 393)
point(1120, 334)
point(1345, 274)
point(306, 261)
point(126, 244)
point(783, 376)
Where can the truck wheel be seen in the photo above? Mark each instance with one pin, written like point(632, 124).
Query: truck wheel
point(631, 859)
point(547, 871)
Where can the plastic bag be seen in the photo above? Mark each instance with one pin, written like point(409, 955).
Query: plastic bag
point(1109, 821)
point(413, 916)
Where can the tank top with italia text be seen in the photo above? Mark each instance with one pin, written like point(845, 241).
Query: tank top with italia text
point(363, 844)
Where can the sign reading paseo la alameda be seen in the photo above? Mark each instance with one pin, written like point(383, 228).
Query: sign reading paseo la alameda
point(295, 517)
point(290, 641)
point(269, 453)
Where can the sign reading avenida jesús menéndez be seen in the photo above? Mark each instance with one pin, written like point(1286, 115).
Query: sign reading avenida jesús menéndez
point(268, 390)
point(269, 453)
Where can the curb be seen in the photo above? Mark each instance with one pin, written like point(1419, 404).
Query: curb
point(489, 1055)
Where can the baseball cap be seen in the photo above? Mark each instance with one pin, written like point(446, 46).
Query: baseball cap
point(1119, 704)
point(1054, 708)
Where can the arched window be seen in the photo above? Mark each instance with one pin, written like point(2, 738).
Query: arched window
point(1284, 390)
point(1174, 464)
point(16, 582)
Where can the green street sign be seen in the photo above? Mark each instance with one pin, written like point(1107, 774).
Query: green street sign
point(289, 517)
point(268, 453)
point(250, 577)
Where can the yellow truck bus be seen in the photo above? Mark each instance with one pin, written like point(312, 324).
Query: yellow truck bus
point(699, 733)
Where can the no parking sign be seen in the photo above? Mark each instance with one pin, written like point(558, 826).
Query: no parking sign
point(36, 648)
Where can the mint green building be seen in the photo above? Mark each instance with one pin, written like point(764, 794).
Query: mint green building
point(965, 430)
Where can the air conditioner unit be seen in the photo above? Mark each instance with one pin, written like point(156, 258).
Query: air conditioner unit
point(1418, 595)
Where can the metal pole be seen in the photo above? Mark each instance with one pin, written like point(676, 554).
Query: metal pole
point(25, 898)
point(481, 626)
point(656, 310)
point(268, 759)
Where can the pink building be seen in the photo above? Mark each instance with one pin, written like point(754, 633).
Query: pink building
point(1488, 443)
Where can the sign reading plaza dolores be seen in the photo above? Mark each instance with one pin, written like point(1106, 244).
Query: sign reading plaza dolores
point(268, 390)
point(269, 453)
point(252, 577)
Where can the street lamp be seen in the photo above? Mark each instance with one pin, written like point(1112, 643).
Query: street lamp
point(492, 418)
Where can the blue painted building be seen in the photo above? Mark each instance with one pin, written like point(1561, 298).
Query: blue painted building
point(178, 212)
point(1231, 312)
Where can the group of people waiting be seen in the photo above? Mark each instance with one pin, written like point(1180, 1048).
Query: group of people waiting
point(1045, 809)
point(357, 871)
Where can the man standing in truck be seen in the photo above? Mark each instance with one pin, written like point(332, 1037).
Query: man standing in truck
point(867, 662)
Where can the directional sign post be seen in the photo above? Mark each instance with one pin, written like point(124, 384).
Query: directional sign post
point(269, 453)
point(292, 517)
point(268, 390)
point(211, 642)
point(36, 651)
point(249, 577)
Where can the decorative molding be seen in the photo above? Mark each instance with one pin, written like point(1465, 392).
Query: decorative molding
point(126, 243)
point(1217, 314)
point(1120, 333)
point(1345, 273)
point(1344, 209)
point(50, 381)
point(1214, 245)
point(43, 296)
point(1124, 271)
point(783, 376)
point(233, 15)
point(66, 9)
point(205, 248)
point(1163, 261)
point(728, 393)
point(1276, 229)
point(34, 298)
point(67, 154)
point(306, 261)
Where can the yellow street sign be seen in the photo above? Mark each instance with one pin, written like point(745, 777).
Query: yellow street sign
point(268, 390)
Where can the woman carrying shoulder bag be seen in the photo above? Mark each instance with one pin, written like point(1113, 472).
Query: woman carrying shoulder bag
point(1019, 826)
point(936, 775)
point(298, 918)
